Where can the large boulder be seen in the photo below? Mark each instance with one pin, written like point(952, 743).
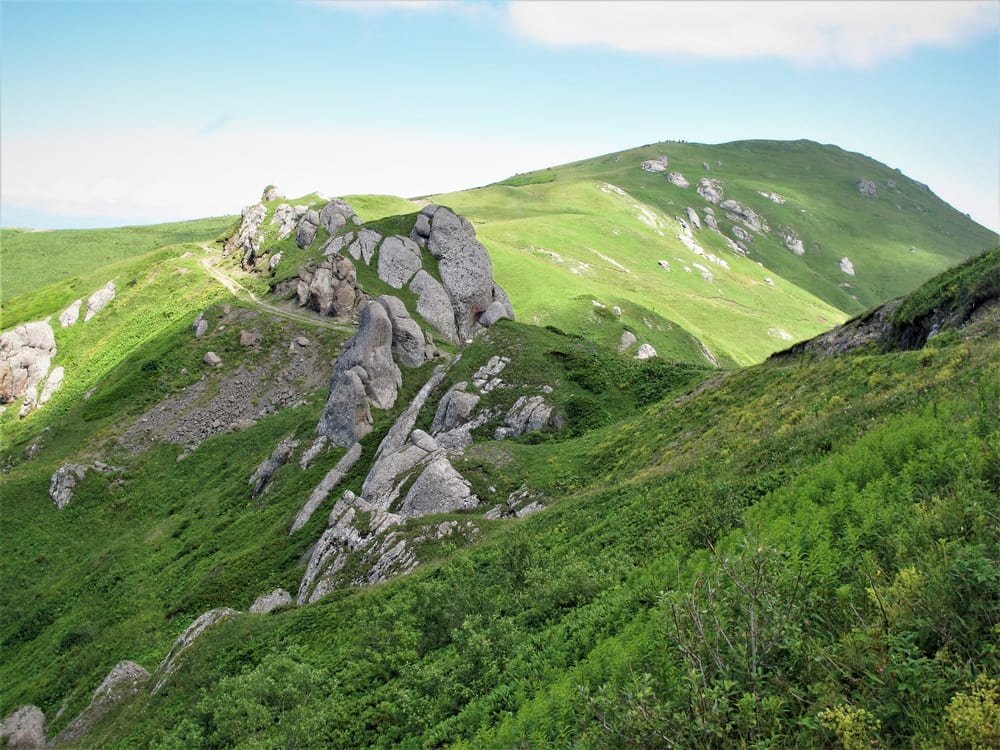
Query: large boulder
point(408, 342)
point(710, 189)
point(337, 214)
point(434, 305)
point(438, 489)
point(362, 247)
point(307, 229)
point(363, 373)
point(528, 414)
point(466, 270)
point(455, 408)
point(676, 178)
point(867, 188)
point(398, 260)
point(247, 238)
point(23, 729)
point(655, 165)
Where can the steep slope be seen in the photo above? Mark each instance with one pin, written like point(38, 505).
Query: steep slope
point(788, 212)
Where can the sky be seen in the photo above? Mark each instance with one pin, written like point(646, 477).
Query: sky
point(134, 112)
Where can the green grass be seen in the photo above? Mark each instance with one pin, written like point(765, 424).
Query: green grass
point(76, 258)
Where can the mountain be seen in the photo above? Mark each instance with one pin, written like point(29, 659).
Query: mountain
point(304, 481)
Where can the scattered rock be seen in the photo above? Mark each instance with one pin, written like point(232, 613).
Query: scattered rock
point(704, 165)
point(792, 241)
point(251, 338)
point(846, 266)
point(124, 680)
point(23, 729)
point(528, 414)
point(265, 470)
point(627, 340)
point(212, 359)
point(676, 178)
point(200, 325)
point(495, 312)
point(655, 165)
point(398, 260)
point(267, 602)
point(711, 190)
point(891, 184)
point(99, 300)
point(310, 453)
point(710, 220)
point(645, 352)
point(71, 314)
point(63, 483)
point(773, 197)
point(693, 217)
point(736, 211)
point(434, 305)
point(438, 489)
point(867, 188)
point(741, 234)
point(307, 229)
point(301, 341)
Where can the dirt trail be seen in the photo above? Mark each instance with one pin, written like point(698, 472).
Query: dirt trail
point(242, 293)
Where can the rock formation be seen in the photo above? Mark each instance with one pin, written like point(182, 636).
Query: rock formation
point(331, 288)
point(71, 314)
point(398, 260)
point(267, 602)
point(711, 190)
point(169, 664)
point(307, 229)
point(23, 729)
point(655, 165)
point(867, 188)
point(125, 680)
point(265, 470)
point(337, 214)
point(676, 178)
point(246, 240)
point(25, 357)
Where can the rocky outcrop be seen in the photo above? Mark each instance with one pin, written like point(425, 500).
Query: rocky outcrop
point(125, 680)
point(655, 165)
point(287, 218)
point(438, 489)
point(307, 229)
point(676, 178)
point(23, 729)
point(363, 374)
point(200, 325)
point(63, 482)
point(169, 664)
point(528, 414)
point(335, 215)
point(99, 300)
point(693, 217)
point(409, 345)
point(331, 288)
point(212, 359)
point(247, 238)
point(867, 188)
point(646, 351)
point(398, 260)
point(52, 384)
point(265, 470)
point(360, 246)
point(25, 357)
point(736, 211)
point(710, 221)
point(71, 314)
point(711, 190)
point(454, 409)
point(466, 270)
point(792, 240)
point(741, 234)
point(272, 193)
point(324, 488)
point(267, 602)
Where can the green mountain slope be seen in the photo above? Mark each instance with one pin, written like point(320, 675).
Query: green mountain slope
point(596, 229)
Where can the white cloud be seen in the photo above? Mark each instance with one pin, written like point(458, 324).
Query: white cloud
point(169, 175)
point(853, 33)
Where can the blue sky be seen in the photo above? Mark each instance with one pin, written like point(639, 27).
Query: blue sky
point(131, 112)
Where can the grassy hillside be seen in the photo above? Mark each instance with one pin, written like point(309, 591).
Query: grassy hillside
point(796, 554)
point(597, 228)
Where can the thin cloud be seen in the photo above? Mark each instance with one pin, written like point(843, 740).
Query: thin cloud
point(856, 34)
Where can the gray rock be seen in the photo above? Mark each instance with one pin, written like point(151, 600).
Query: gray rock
point(271, 193)
point(23, 729)
point(331, 289)
point(664, 264)
point(693, 217)
point(736, 211)
point(408, 343)
point(285, 217)
point(363, 247)
point(439, 489)
point(434, 305)
point(710, 220)
point(52, 384)
point(99, 300)
point(212, 359)
point(891, 184)
point(421, 228)
point(335, 215)
point(247, 238)
point(25, 357)
point(528, 414)
point(63, 483)
point(627, 341)
point(676, 178)
point(645, 352)
point(124, 680)
point(711, 190)
point(71, 314)
point(251, 338)
point(741, 234)
point(398, 260)
point(200, 325)
point(325, 487)
point(704, 165)
point(307, 229)
point(265, 470)
point(363, 373)
point(454, 409)
point(183, 642)
point(655, 165)
point(496, 311)
point(847, 266)
point(792, 240)
point(867, 188)
point(338, 245)
point(267, 602)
